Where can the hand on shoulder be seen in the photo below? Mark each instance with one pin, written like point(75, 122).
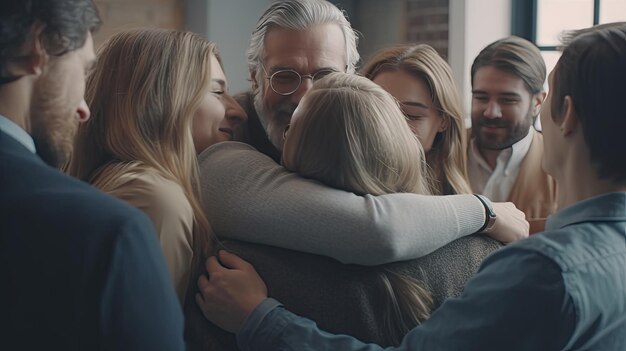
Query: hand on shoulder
point(510, 224)
point(232, 290)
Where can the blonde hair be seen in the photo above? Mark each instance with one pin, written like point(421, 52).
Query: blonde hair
point(352, 135)
point(448, 157)
point(143, 93)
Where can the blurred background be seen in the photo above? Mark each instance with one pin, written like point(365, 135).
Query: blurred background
point(458, 29)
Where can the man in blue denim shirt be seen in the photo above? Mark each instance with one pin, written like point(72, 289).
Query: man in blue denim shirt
point(563, 289)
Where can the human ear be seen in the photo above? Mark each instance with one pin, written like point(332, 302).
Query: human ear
point(31, 58)
point(539, 99)
point(38, 58)
point(569, 121)
point(255, 84)
point(445, 122)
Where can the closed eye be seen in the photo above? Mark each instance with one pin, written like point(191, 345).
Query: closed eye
point(480, 98)
point(509, 101)
point(413, 117)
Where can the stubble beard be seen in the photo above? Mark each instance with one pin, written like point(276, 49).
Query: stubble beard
point(275, 121)
point(515, 132)
point(53, 124)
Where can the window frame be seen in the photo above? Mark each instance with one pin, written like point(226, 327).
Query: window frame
point(524, 20)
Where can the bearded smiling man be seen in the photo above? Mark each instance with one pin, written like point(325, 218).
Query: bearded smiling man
point(73, 261)
point(505, 153)
point(284, 61)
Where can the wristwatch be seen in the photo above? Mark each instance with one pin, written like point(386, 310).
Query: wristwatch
point(490, 214)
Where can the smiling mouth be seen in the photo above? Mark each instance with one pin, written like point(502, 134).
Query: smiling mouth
point(227, 131)
point(492, 127)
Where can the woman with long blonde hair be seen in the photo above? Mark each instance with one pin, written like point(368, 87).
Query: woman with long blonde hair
point(157, 98)
point(422, 82)
point(349, 133)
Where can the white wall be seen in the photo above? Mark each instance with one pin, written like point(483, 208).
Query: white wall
point(473, 25)
point(229, 23)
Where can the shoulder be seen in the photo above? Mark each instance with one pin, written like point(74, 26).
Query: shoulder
point(36, 195)
point(531, 260)
point(223, 150)
point(145, 188)
point(226, 158)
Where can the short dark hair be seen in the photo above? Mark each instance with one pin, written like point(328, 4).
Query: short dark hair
point(66, 25)
point(517, 56)
point(592, 71)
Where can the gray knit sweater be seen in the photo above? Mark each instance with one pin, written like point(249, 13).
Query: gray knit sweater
point(250, 198)
point(340, 298)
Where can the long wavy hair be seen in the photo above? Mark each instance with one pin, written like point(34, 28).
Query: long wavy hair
point(352, 135)
point(143, 93)
point(448, 157)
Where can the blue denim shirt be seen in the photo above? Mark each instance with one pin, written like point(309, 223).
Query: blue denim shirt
point(564, 289)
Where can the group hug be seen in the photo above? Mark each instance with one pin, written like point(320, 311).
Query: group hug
point(338, 204)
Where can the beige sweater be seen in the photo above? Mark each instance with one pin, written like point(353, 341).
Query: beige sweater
point(165, 203)
point(535, 191)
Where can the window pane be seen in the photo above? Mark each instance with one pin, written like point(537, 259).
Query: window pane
point(551, 58)
point(612, 11)
point(555, 16)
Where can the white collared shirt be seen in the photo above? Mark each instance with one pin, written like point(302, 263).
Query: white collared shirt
point(16, 132)
point(496, 184)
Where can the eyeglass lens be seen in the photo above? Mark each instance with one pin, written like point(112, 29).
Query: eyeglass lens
point(288, 81)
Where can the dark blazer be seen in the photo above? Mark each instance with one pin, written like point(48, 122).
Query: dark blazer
point(340, 298)
point(79, 269)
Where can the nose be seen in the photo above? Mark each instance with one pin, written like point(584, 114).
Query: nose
point(493, 110)
point(234, 112)
point(305, 85)
point(83, 112)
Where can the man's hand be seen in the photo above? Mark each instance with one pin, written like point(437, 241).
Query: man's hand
point(510, 223)
point(231, 292)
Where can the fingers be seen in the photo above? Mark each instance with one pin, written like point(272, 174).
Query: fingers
point(233, 261)
point(203, 282)
point(212, 265)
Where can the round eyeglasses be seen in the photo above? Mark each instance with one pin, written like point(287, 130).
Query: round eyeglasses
point(287, 81)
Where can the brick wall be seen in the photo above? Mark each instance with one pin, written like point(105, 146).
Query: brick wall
point(427, 22)
point(125, 14)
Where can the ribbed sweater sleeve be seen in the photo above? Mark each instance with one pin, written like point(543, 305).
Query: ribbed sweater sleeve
point(249, 197)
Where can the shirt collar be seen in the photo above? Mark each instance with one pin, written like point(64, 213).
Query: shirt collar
point(17, 133)
point(512, 156)
point(519, 151)
point(605, 207)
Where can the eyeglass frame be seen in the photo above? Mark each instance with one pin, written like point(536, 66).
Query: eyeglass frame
point(301, 76)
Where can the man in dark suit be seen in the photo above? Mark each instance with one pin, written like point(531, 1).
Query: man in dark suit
point(79, 270)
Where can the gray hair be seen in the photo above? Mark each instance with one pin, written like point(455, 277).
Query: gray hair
point(298, 15)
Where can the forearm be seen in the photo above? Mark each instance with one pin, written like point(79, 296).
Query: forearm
point(251, 198)
point(498, 310)
point(290, 332)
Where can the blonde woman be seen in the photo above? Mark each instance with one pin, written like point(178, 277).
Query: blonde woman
point(157, 98)
point(422, 83)
point(349, 133)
